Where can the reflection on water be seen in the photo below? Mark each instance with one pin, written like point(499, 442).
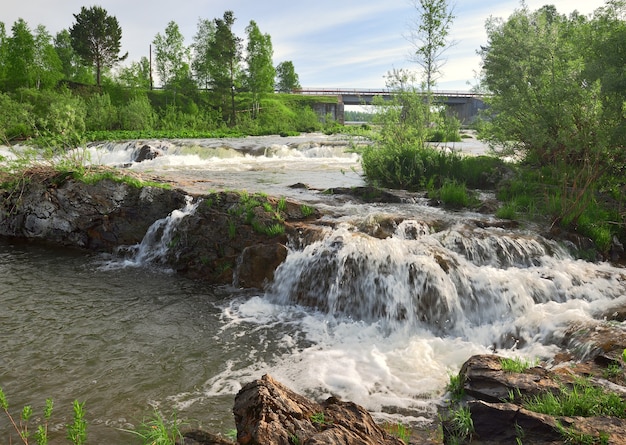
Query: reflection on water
point(119, 340)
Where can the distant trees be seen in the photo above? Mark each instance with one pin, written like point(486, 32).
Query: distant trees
point(96, 38)
point(224, 69)
point(287, 80)
point(260, 73)
point(172, 57)
point(202, 41)
point(20, 56)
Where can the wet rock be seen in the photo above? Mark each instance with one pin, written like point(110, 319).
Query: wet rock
point(484, 379)
point(146, 153)
point(256, 264)
point(98, 216)
point(267, 412)
point(229, 233)
point(366, 194)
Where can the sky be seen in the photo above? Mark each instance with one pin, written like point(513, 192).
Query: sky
point(332, 44)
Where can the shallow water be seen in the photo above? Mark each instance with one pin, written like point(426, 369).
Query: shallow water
point(385, 321)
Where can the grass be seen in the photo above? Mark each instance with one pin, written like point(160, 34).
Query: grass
point(582, 399)
point(76, 431)
point(516, 364)
point(398, 430)
point(455, 387)
point(159, 430)
point(461, 425)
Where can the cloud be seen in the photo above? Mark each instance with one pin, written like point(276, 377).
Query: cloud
point(331, 43)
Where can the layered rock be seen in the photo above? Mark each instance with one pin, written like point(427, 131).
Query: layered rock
point(495, 399)
point(267, 412)
point(231, 238)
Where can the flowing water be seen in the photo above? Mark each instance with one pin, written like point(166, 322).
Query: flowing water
point(382, 322)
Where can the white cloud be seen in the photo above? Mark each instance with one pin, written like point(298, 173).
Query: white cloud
point(332, 44)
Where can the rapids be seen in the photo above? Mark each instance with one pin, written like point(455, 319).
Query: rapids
point(381, 321)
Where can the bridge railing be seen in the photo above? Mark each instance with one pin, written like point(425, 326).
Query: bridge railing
point(379, 92)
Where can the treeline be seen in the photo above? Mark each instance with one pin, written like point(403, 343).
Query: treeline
point(65, 85)
point(557, 110)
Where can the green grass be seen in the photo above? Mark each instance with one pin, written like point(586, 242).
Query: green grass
point(455, 387)
point(516, 364)
point(306, 210)
point(582, 399)
point(398, 430)
point(159, 430)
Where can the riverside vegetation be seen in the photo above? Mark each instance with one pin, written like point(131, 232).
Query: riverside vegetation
point(558, 150)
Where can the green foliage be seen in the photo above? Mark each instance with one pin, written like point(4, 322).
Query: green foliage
point(453, 194)
point(574, 437)
point(558, 104)
point(306, 210)
point(582, 399)
point(76, 432)
point(398, 430)
point(137, 114)
point(461, 424)
point(286, 78)
point(160, 431)
point(429, 37)
point(516, 364)
point(96, 37)
point(319, 419)
point(101, 114)
point(455, 387)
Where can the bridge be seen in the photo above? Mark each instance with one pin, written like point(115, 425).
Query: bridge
point(465, 105)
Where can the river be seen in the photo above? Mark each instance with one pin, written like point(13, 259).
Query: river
point(394, 317)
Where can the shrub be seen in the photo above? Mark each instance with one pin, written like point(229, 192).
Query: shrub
point(138, 114)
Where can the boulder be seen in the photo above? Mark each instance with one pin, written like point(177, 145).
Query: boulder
point(146, 153)
point(495, 397)
point(267, 412)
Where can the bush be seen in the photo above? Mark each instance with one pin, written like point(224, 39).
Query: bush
point(101, 114)
point(15, 119)
point(138, 114)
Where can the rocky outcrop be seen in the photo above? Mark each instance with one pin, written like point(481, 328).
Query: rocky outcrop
point(267, 412)
point(496, 401)
point(231, 238)
point(53, 207)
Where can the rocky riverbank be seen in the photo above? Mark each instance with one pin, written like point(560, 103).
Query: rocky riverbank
point(240, 238)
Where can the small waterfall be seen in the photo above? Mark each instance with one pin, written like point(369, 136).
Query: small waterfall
point(457, 282)
point(157, 240)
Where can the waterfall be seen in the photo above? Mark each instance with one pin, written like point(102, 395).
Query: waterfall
point(460, 281)
point(158, 238)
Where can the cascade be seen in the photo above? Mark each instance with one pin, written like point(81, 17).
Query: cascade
point(159, 236)
point(455, 282)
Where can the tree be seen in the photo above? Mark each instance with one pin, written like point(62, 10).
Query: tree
point(20, 56)
point(72, 66)
point(261, 73)
point(96, 38)
point(202, 41)
point(137, 75)
point(225, 53)
point(3, 54)
point(287, 79)
point(551, 106)
point(171, 56)
point(429, 37)
point(47, 67)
